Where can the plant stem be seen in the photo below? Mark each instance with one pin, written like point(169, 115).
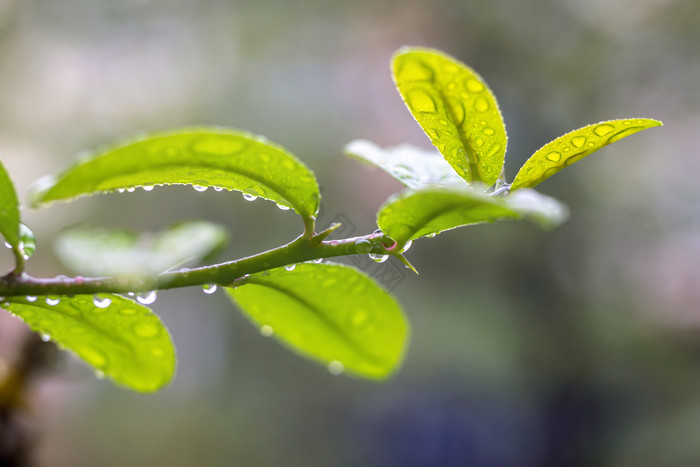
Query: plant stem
point(303, 248)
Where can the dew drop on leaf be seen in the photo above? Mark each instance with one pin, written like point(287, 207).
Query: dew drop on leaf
point(266, 330)
point(317, 260)
point(249, 197)
point(200, 188)
point(31, 298)
point(336, 368)
point(147, 188)
point(554, 156)
point(209, 288)
point(481, 104)
point(488, 131)
point(407, 246)
point(420, 101)
point(45, 337)
point(7, 245)
point(146, 330)
point(218, 188)
point(602, 130)
point(147, 298)
point(283, 207)
point(578, 141)
point(130, 190)
point(290, 267)
point(52, 301)
point(474, 86)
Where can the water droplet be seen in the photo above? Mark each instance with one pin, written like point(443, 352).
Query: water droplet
point(432, 235)
point(200, 188)
point(7, 245)
point(99, 374)
point(121, 190)
point(421, 101)
point(481, 104)
point(147, 187)
point(488, 131)
point(554, 156)
point(317, 260)
point(131, 294)
point(591, 144)
point(451, 86)
point(101, 302)
point(46, 337)
point(432, 134)
point(336, 368)
point(266, 330)
point(290, 267)
point(478, 142)
point(209, 288)
point(146, 329)
point(377, 258)
point(52, 301)
point(283, 207)
point(602, 130)
point(566, 149)
point(249, 197)
point(442, 122)
point(147, 298)
point(131, 190)
point(578, 141)
point(363, 246)
point(473, 85)
point(31, 298)
point(218, 188)
point(407, 246)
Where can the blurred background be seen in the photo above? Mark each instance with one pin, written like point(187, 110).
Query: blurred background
point(578, 347)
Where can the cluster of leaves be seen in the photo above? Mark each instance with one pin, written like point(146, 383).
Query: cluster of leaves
point(330, 313)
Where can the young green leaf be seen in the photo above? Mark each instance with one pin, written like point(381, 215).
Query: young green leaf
point(9, 209)
point(420, 213)
point(121, 253)
point(119, 338)
point(330, 313)
point(456, 109)
point(412, 166)
point(203, 157)
point(574, 146)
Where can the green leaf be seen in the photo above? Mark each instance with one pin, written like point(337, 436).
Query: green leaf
point(456, 109)
point(421, 213)
point(9, 209)
point(330, 313)
point(206, 157)
point(121, 253)
point(124, 340)
point(412, 166)
point(574, 146)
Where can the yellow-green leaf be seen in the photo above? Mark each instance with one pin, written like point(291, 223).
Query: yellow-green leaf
point(456, 109)
point(203, 157)
point(9, 209)
point(331, 313)
point(426, 212)
point(119, 338)
point(574, 146)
